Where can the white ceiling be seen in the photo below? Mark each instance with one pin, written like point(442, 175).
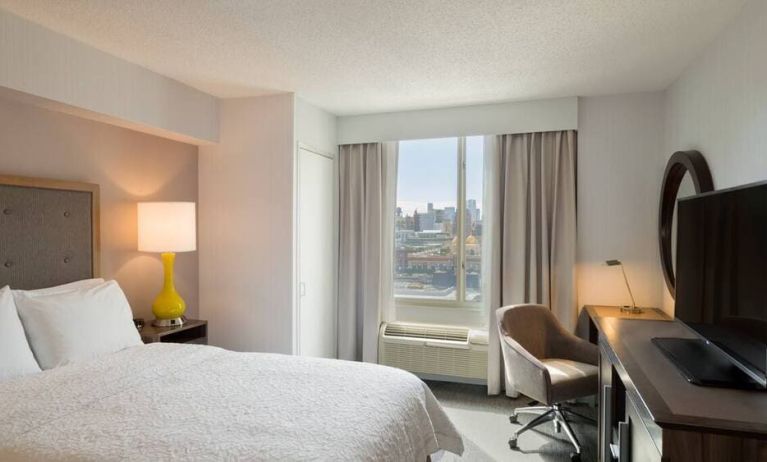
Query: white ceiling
point(363, 56)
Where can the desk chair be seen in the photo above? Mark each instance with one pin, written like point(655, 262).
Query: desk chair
point(547, 363)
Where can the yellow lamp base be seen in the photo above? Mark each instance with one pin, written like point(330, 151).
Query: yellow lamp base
point(168, 307)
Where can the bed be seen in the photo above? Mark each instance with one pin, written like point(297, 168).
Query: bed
point(188, 402)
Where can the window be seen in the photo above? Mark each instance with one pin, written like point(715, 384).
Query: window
point(438, 222)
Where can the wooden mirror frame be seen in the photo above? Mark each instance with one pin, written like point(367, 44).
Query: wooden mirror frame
point(679, 163)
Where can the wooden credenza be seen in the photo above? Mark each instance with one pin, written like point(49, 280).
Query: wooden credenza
point(648, 412)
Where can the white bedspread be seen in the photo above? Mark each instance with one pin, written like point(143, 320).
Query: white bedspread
point(189, 402)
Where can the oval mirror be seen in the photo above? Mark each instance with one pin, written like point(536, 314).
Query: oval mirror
point(686, 189)
point(686, 174)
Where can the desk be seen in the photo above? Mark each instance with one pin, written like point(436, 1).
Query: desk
point(649, 412)
point(591, 313)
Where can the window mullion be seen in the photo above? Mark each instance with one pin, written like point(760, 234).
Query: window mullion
point(461, 228)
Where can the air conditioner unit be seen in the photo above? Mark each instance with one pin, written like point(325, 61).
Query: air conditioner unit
point(433, 352)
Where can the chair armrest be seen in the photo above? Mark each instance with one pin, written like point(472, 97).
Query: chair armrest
point(526, 373)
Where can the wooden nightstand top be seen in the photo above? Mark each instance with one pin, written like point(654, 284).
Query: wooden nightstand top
point(193, 331)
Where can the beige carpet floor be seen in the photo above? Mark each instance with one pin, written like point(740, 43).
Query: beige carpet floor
point(484, 425)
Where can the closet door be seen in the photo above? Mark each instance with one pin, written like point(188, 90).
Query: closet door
point(316, 259)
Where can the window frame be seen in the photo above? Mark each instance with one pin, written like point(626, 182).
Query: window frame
point(460, 302)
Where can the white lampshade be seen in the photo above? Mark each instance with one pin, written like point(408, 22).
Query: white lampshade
point(167, 227)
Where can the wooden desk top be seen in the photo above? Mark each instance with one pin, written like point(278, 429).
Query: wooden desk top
point(669, 400)
point(587, 320)
point(650, 314)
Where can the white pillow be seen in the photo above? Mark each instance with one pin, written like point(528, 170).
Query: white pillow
point(82, 284)
point(15, 356)
point(76, 325)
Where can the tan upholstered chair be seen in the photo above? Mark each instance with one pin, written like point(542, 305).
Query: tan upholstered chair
point(547, 363)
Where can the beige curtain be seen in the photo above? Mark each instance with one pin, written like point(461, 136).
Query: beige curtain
point(530, 182)
point(367, 194)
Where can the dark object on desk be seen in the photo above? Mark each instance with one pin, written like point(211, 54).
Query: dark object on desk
point(192, 331)
point(721, 292)
point(703, 364)
point(139, 323)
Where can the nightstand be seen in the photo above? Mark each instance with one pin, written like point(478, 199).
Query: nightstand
point(193, 331)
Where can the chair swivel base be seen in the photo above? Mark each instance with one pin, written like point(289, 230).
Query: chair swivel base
point(556, 413)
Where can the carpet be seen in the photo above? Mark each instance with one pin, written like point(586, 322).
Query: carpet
point(484, 425)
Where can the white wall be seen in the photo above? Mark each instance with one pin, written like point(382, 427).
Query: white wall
point(57, 72)
point(619, 142)
point(719, 105)
point(246, 223)
point(486, 119)
point(316, 127)
point(129, 167)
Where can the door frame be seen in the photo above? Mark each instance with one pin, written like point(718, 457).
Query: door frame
point(296, 308)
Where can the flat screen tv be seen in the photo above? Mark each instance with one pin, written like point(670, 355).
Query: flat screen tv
point(721, 288)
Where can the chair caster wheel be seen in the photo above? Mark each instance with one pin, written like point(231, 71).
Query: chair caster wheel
point(557, 427)
point(513, 418)
point(513, 443)
point(575, 457)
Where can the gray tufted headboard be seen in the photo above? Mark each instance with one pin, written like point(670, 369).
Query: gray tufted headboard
point(49, 232)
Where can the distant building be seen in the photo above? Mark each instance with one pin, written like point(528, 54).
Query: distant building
point(403, 235)
point(440, 220)
point(401, 259)
point(471, 245)
point(428, 221)
point(439, 215)
point(447, 226)
point(472, 212)
point(430, 263)
point(467, 229)
point(443, 279)
point(449, 214)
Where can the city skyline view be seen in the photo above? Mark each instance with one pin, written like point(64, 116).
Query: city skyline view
point(432, 245)
point(438, 157)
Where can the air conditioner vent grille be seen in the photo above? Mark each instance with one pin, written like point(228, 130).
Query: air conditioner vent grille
point(452, 334)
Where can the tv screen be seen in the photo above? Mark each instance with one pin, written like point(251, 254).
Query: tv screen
point(721, 271)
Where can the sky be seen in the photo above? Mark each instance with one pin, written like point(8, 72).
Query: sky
point(427, 172)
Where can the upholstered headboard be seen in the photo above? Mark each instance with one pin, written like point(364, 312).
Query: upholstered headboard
point(49, 232)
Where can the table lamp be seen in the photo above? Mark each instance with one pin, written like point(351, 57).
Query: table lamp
point(167, 227)
point(633, 308)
